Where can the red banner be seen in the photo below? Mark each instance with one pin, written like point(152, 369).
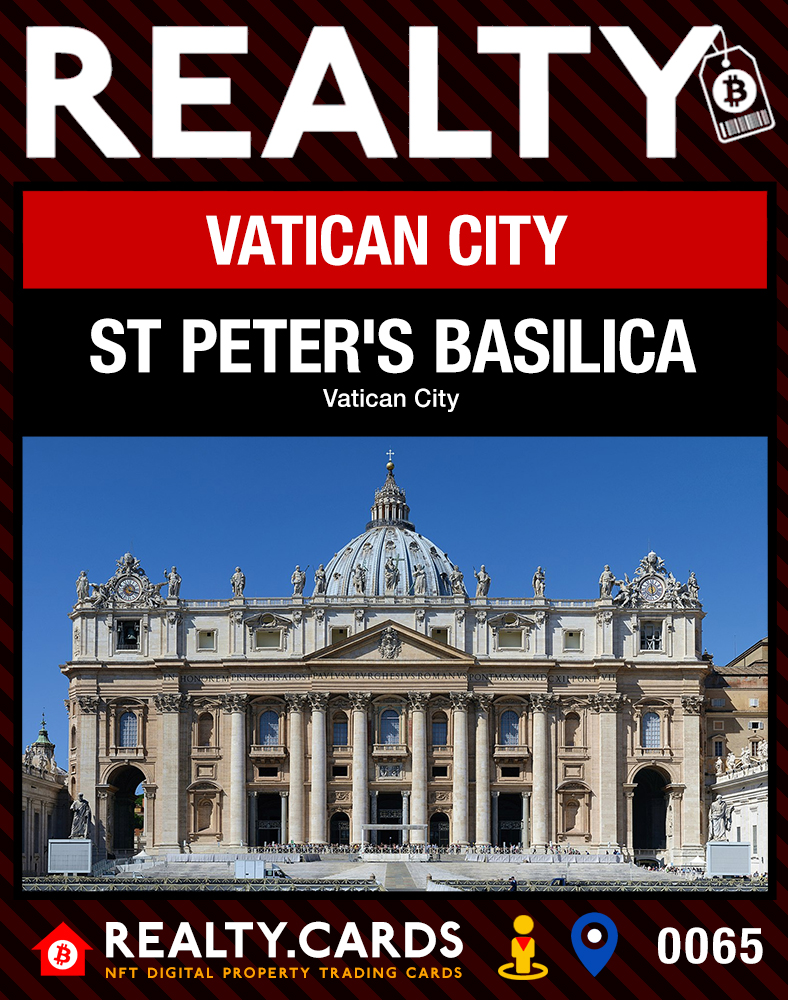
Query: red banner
point(394, 239)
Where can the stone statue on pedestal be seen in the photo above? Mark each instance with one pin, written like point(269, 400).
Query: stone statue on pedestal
point(81, 821)
point(606, 581)
point(83, 587)
point(483, 581)
point(720, 819)
point(238, 582)
point(390, 574)
point(298, 579)
point(538, 582)
point(173, 582)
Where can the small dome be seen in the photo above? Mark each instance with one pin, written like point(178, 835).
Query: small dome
point(383, 560)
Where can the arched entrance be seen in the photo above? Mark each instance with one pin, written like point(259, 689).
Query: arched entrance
point(439, 830)
point(649, 811)
point(339, 829)
point(126, 809)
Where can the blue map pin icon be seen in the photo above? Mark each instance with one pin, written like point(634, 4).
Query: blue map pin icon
point(594, 938)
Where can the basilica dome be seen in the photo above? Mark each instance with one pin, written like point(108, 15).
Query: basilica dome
point(390, 558)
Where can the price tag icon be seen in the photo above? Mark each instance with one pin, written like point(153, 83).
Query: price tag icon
point(735, 94)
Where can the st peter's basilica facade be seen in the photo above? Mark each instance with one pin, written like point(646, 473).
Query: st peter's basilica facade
point(388, 698)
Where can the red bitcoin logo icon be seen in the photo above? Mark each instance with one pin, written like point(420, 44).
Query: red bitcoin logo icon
point(62, 954)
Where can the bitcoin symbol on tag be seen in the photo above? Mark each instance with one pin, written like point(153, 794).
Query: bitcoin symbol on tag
point(734, 91)
point(62, 954)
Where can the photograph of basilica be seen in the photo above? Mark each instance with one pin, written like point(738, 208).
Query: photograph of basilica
point(390, 697)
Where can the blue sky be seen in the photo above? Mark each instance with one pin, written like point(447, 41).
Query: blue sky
point(208, 504)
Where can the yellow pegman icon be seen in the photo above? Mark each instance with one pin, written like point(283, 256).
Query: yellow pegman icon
point(523, 948)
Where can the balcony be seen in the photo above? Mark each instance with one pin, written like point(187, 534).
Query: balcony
point(653, 753)
point(515, 751)
point(273, 751)
point(127, 753)
point(206, 753)
point(389, 751)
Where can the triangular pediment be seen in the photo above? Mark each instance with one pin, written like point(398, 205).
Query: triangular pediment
point(389, 642)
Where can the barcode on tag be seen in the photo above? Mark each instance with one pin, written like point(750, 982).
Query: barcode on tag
point(736, 126)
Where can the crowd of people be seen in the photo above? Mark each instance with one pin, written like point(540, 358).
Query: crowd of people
point(433, 849)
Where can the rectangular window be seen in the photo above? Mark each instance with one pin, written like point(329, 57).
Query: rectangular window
point(340, 734)
point(650, 635)
point(441, 771)
point(440, 732)
point(718, 748)
point(755, 724)
point(339, 771)
point(127, 730)
point(128, 633)
point(206, 639)
point(738, 834)
point(440, 635)
point(510, 772)
point(389, 727)
point(338, 634)
point(571, 640)
point(508, 639)
point(717, 702)
point(754, 702)
point(267, 638)
point(754, 848)
point(267, 772)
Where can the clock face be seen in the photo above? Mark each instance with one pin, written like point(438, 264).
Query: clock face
point(652, 589)
point(128, 589)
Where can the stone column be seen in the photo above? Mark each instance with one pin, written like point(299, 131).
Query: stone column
point(87, 723)
point(173, 619)
point(608, 705)
point(418, 706)
point(604, 629)
point(235, 706)
point(483, 703)
point(101, 821)
point(540, 797)
point(460, 703)
point(283, 832)
point(148, 814)
point(692, 776)
point(169, 707)
point(525, 832)
point(360, 702)
point(541, 618)
point(295, 707)
point(251, 833)
point(494, 797)
point(629, 796)
point(673, 831)
point(373, 815)
point(406, 815)
point(318, 802)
